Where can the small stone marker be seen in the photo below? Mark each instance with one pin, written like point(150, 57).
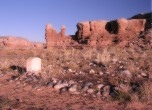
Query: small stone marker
point(33, 64)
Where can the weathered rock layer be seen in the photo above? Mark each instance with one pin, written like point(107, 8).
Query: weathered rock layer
point(55, 39)
point(11, 42)
point(89, 33)
point(120, 31)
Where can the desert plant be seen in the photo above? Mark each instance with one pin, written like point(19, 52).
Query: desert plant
point(121, 96)
point(146, 91)
point(103, 56)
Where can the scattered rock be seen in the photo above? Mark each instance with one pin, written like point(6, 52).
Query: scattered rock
point(28, 79)
point(85, 88)
point(144, 75)
point(92, 64)
point(101, 73)
point(55, 80)
point(50, 84)
point(81, 73)
point(71, 82)
point(60, 85)
point(70, 70)
point(126, 73)
point(92, 71)
point(88, 84)
point(73, 88)
point(105, 91)
point(99, 86)
point(90, 91)
point(63, 89)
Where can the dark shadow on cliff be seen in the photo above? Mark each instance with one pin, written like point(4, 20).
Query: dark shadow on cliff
point(74, 37)
point(112, 27)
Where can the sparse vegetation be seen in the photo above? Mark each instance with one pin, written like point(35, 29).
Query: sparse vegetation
point(106, 66)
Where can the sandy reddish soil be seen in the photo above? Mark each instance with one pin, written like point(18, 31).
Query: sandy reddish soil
point(26, 97)
point(18, 96)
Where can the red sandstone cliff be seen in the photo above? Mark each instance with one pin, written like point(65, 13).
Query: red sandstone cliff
point(90, 33)
point(53, 38)
point(105, 33)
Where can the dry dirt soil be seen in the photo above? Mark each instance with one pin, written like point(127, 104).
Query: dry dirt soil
point(18, 95)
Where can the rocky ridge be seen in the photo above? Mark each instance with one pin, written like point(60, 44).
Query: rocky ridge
point(103, 33)
point(12, 42)
point(121, 32)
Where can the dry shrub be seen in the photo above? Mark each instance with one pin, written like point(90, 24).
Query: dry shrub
point(134, 97)
point(45, 76)
point(104, 57)
point(136, 106)
point(5, 63)
point(5, 103)
point(146, 91)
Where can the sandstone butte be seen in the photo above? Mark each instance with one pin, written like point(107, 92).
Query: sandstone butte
point(98, 33)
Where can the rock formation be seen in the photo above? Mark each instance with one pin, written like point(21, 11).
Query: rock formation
point(103, 33)
point(90, 33)
point(37, 45)
point(16, 43)
point(56, 39)
point(63, 30)
point(147, 17)
point(11, 42)
point(122, 26)
point(83, 30)
point(87, 29)
point(90, 28)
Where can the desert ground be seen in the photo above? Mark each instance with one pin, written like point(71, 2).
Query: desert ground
point(113, 78)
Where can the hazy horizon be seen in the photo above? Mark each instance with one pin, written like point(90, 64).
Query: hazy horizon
point(28, 18)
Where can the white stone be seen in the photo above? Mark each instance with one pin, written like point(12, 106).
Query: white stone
point(73, 88)
point(33, 64)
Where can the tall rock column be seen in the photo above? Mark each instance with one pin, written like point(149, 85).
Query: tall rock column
point(50, 36)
